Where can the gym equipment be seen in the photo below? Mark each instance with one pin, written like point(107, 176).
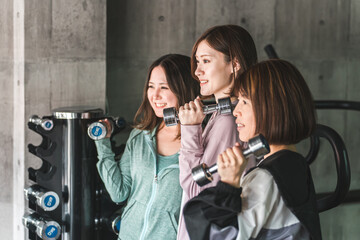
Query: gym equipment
point(223, 107)
point(257, 146)
point(46, 124)
point(47, 200)
point(98, 130)
point(66, 189)
point(46, 229)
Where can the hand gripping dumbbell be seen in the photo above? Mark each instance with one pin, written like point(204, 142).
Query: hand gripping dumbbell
point(46, 124)
point(257, 146)
point(98, 130)
point(223, 107)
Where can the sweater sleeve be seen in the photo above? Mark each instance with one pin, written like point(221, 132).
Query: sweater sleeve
point(197, 148)
point(260, 199)
point(115, 174)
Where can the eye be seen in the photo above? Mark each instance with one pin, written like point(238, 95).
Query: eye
point(164, 87)
point(206, 61)
point(150, 86)
point(244, 102)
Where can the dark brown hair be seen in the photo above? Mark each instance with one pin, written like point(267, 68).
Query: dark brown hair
point(178, 75)
point(231, 40)
point(281, 99)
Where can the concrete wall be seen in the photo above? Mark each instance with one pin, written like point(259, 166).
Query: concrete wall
point(6, 106)
point(52, 54)
point(320, 37)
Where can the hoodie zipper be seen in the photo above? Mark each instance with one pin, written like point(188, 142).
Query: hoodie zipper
point(152, 198)
point(154, 188)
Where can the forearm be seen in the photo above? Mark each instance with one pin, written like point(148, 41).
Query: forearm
point(114, 174)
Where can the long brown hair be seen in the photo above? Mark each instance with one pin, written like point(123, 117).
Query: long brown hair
point(282, 102)
point(178, 75)
point(233, 41)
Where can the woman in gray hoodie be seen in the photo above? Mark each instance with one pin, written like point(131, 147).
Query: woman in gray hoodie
point(147, 176)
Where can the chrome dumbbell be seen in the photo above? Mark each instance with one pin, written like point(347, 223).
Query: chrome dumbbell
point(115, 224)
point(223, 107)
point(46, 124)
point(47, 200)
point(98, 130)
point(112, 223)
point(45, 228)
point(257, 146)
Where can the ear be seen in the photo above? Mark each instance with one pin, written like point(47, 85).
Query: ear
point(236, 66)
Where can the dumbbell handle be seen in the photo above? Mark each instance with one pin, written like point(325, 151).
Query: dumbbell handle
point(210, 108)
point(223, 106)
point(257, 146)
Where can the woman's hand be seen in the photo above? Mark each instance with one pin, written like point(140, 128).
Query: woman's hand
point(231, 164)
point(108, 126)
point(191, 113)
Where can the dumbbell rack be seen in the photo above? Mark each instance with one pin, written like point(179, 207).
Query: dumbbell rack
point(69, 169)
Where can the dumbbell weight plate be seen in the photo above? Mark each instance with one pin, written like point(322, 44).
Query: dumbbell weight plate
point(170, 117)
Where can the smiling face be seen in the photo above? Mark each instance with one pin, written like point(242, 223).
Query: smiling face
point(213, 72)
point(159, 94)
point(245, 119)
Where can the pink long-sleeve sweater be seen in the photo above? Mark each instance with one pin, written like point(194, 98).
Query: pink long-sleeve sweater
point(202, 146)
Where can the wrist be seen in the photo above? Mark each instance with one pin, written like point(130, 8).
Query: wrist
point(234, 182)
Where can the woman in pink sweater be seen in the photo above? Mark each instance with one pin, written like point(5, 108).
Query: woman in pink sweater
point(218, 56)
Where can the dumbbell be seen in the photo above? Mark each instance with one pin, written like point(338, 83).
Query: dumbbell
point(45, 228)
point(47, 200)
point(46, 124)
point(257, 146)
point(223, 107)
point(98, 130)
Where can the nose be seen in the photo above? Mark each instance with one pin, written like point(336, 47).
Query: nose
point(236, 111)
point(156, 93)
point(198, 70)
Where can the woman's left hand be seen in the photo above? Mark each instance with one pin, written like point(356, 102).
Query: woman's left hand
point(231, 164)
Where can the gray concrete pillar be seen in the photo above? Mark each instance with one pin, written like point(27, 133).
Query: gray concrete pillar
point(52, 54)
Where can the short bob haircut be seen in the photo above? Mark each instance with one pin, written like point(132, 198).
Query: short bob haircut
point(233, 41)
point(281, 99)
point(178, 75)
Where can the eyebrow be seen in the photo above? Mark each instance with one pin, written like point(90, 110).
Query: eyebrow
point(162, 83)
point(204, 55)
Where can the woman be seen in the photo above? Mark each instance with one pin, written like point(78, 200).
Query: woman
point(147, 176)
point(276, 199)
point(218, 56)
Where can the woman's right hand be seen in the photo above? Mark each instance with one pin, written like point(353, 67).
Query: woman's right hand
point(231, 164)
point(191, 113)
point(108, 126)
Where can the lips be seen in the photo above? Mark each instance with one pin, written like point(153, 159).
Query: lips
point(239, 126)
point(160, 105)
point(203, 82)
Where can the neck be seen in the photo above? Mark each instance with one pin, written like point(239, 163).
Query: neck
point(172, 129)
point(276, 148)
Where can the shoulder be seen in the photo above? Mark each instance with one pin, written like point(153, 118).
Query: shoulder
point(224, 122)
point(259, 184)
point(285, 161)
point(256, 174)
point(136, 133)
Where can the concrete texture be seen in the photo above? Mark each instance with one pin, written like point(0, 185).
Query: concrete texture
point(52, 54)
point(75, 51)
